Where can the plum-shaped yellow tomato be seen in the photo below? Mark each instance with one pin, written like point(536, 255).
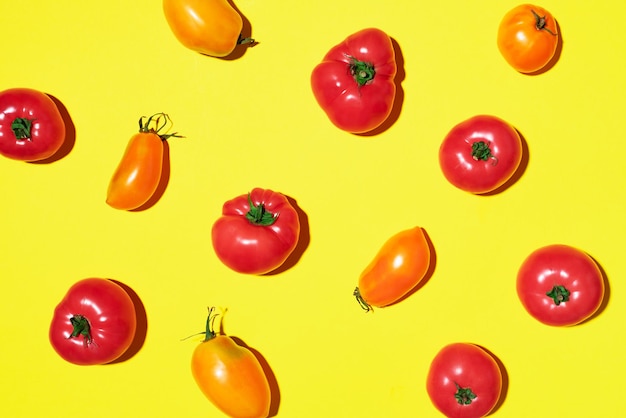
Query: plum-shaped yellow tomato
point(210, 27)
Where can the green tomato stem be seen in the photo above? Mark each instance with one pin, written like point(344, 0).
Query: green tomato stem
point(363, 72)
point(366, 306)
point(540, 23)
point(559, 293)
point(257, 214)
point(21, 128)
point(145, 127)
point(464, 396)
point(81, 327)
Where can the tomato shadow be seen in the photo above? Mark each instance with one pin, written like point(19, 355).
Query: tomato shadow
point(555, 58)
point(142, 325)
point(163, 181)
point(399, 99)
point(519, 172)
point(505, 381)
point(246, 33)
point(429, 272)
point(70, 134)
point(303, 241)
point(269, 374)
point(605, 298)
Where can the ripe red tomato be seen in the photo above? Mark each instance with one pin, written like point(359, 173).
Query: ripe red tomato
point(397, 268)
point(230, 375)
point(256, 232)
point(354, 84)
point(480, 154)
point(560, 285)
point(95, 323)
point(139, 172)
point(528, 38)
point(210, 27)
point(31, 126)
point(464, 381)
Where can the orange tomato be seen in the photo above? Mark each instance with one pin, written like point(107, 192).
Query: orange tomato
point(528, 38)
point(230, 376)
point(139, 172)
point(210, 27)
point(397, 268)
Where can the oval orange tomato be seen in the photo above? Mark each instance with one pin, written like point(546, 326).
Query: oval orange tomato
point(528, 38)
point(210, 27)
point(397, 268)
point(139, 172)
point(230, 375)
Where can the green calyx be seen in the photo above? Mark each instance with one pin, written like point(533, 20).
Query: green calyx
point(257, 214)
point(21, 128)
point(210, 333)
point(559, 294)
point(363, 72)
point(154, 125)
point(82, 328)
point(540, 23)
point(464, 396)
point(366, 306)
point(481, 151)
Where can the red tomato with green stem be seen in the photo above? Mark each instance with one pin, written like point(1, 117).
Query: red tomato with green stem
point(95, 323)
point(464, 381)
point(354, 84)
point(560, 285)
point(257, 232)
point(31, 125)
point(480, 154)
point(230, 375)
point(138, 174)
point(528, 38)
point(398, 267)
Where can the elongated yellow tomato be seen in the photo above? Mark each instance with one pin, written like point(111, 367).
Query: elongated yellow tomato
point(397, 268)
point(210, 27)
point(139, 172)
point(230, 376)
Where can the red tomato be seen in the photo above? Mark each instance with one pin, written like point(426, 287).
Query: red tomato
point(230, 376)
point(139, 172)
point(210, 27)
point(31, 126)
point(354, 84)
point(397, 268)
point(480, 154)
point(528, 38)
point(95, 323)
point(560, 285)
point(464, 381)
point(256, 232)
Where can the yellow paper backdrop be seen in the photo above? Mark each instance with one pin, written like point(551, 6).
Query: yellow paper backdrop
point(253, 122)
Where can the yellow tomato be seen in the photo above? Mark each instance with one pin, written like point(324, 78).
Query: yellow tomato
point(210, 27)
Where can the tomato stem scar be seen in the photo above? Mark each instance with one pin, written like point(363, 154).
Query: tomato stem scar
point(464, 396)
point(363, 72)
point(540, 23)
point(81, 326)
point(21, 128)
point(559, 293)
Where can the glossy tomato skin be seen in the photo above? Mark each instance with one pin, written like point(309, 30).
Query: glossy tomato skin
point(231, 377)
point(46, 133)
point(138, 173)
point(210, 27)
point(251, 248)
point(464, 381)
point(528, 38)
point(480, 154)
point(400, 264)
point(578, 280)
point(349, 105)
point(110, 314)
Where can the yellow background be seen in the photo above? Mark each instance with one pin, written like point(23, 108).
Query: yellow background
point(253, 122)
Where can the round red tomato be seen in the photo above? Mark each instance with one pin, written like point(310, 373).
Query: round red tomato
point(31, 126)
point(256, 232)
point(464, 381)
point(560, 285)
point(354, 83)
point(480, 154)
point(528, 38)
point(95, 322)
